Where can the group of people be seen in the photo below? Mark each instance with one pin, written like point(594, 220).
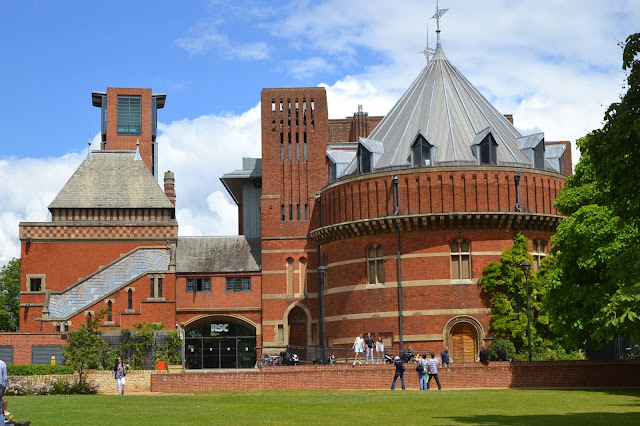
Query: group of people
point(5, 417)
point(424, 366)
point(361, 344)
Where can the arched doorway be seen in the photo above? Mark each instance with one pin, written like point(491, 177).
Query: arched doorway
point(220, 343)
point(297, 327)
point(463, 343)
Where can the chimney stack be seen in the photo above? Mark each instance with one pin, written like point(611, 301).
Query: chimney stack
point(169, 187)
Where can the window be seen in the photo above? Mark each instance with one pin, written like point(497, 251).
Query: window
point(156, 287)
point(109, 311)
point(538, 155)
point(375, 264)
point(35, 284)
point(129, 115)
point(421, 151)
point(488, 150)
point(539, 253)
point(238, 284)
point(198, 284)
point(460, 260)
point(302, 265)
point(130, 299)
point(289, 275)
point(364, 160)
point(89, 320)
point(333, 172)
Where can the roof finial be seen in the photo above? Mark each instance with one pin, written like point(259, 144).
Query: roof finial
point(137, 157)
point(436, 16)
point(428, 52)
point(89, 156)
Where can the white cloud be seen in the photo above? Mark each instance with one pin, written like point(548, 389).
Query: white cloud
point(205, 36)
point(199, 152)
point(307, 68)
point(28, 187)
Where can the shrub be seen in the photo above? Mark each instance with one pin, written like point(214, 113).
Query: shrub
point(508, 346)
point(21, 387)
point(38, 370)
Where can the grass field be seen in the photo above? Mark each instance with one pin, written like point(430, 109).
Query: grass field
point(486, 407)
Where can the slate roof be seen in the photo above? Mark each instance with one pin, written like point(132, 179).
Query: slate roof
point(218, 254)
point(106, 281)
point(443, 105)
point(111, 179)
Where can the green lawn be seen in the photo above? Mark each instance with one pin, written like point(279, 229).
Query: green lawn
point(487, 407)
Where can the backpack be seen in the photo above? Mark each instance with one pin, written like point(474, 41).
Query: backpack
point(419, 368)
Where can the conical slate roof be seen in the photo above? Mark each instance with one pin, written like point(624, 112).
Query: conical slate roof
point(443, 106)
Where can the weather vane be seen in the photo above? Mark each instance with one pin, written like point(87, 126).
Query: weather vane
point(429, 52)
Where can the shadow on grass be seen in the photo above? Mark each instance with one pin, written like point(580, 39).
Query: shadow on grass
point(547, 419)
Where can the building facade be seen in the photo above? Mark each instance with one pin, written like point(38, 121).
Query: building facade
point(378, 225)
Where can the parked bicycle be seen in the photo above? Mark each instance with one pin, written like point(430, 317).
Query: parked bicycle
point(270, 360)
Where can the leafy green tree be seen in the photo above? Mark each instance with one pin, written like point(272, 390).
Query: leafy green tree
point(10, 296)
point(505, 282)
point(86, 347)
point(593, 287)
point(594, 293)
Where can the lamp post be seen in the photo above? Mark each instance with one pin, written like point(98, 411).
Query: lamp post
point(526, 267)
point(396, 212)
point(182, 336)
point(322, 270)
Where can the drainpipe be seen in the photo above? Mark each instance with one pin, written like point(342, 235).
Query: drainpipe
point(322, 270)
point(516, 179)
point(396, 212)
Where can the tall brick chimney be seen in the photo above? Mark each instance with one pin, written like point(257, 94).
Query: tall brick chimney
point(360, 125)
point(169, 186)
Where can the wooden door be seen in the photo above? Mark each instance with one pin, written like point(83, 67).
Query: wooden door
point(297, 327)
point(463, 343)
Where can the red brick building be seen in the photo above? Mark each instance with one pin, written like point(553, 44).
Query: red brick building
point(400, 213)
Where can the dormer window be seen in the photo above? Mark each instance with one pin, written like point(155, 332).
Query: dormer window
point(421, 152)
point(487, 150)
point(538, 155)
point(364, 160)
point(333, 173)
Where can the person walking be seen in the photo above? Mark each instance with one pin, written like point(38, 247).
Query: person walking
point(379, 351)
point(444, 357)
point(358, 349)
point(421, 368)
point(4, 381)
point(369, 347)
point(433, 371)
point(399, 373)
point(120, 371)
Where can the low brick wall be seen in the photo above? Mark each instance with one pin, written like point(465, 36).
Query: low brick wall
point(574, 374)
point(136, 380)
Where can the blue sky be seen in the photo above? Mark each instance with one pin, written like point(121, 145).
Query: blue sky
point(555, 65)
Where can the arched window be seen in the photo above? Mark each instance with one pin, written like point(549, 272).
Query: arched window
point(289, 275)
point(375, 264)
point(539, 253)
point(89, 320)
point(109, 311)
point(302, 264)
point(460, 260)
point(130, 299)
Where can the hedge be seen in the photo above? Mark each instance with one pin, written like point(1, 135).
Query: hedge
point(38, 370)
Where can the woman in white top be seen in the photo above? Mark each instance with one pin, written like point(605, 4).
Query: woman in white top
point(379, 351)
point(358, 348)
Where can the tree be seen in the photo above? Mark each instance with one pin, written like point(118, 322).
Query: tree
point(595, 290)
point(85, 347)
point(10, 296)
point(505, 282)
point(593, 287)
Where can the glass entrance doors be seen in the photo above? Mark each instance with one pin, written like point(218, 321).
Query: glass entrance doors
point(220, 344)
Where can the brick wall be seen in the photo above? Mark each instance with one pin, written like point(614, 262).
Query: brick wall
point(576, 374)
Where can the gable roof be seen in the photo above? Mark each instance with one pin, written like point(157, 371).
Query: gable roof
point(218, 254)
point(111, 179)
